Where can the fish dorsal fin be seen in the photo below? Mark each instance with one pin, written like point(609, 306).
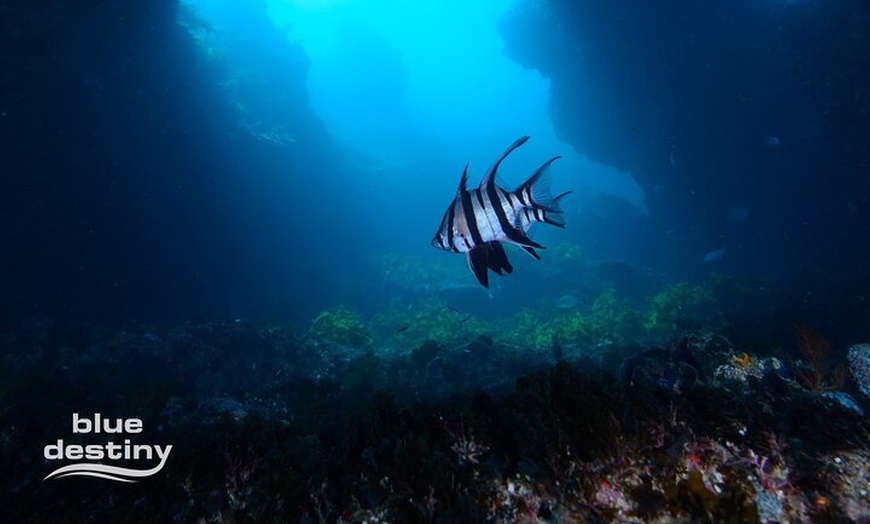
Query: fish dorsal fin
point(489, 177)
point(463, 182)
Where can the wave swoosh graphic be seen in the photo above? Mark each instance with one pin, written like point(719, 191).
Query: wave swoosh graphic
point(116, 473)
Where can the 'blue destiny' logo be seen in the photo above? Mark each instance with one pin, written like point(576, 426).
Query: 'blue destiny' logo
point(105, 452)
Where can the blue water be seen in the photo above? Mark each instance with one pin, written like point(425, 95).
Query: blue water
point(217, 215)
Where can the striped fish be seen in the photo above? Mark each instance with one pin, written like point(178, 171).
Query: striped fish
point(480, 221)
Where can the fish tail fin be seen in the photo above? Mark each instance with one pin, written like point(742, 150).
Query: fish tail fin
point(555, 218)
point(534, 214)
point(535, 191)
point(560, 196)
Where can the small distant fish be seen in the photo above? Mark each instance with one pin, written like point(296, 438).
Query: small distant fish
point(402, 328)
point(453, 309)
point(735, 214)
point(465, 319)
point(480, 221)
point(772, 141)
point(715, 255)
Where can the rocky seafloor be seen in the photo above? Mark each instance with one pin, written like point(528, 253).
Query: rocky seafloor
point(271, 424)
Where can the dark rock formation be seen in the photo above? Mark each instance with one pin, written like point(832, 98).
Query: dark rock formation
point(764, 105)
point(121, 158)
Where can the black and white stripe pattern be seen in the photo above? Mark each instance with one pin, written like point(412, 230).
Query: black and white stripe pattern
point(475, 218)
point(490, 213)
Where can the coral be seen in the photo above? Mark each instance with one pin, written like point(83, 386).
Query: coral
point(849, 474)
point(467, 449)
point(859, 367)
point(741, 367)
point(816, 349)
point(269, 439)
point(744, 359)
point(564, 445)
point(518, 500)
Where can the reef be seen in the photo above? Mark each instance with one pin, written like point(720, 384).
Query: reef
point(341, 422)
point(686, 402)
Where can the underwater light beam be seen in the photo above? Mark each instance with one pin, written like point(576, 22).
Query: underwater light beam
point(387, 76)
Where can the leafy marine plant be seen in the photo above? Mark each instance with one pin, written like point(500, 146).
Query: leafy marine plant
point(620, 321)
point(526, 328)
point(579, 328)
point(409, 322)
point(341, 326)
point(673, 305)
point(538, 329)
point(608, 320)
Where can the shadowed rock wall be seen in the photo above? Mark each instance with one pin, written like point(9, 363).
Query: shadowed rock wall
point(761, 105)
point(129, 187)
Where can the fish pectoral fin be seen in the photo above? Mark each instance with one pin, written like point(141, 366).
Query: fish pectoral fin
point(532, 252)
point(521, 239)
point(477, 263)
